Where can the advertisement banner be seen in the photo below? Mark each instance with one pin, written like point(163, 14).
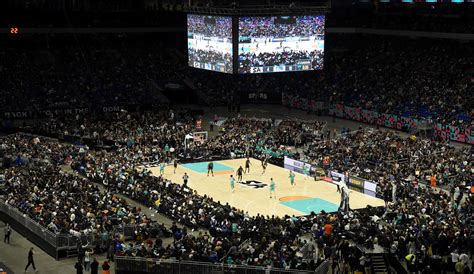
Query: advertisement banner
point(369, 192)
point(455, 133)
point(337, 177)
point(357, 182)
point(363, 184)
point(370, 186)
point(297, 166)
point(58, 112)
point(303, 103)
point(353, 181)
point(44, 113)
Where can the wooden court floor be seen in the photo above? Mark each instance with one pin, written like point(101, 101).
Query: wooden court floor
point(307, 195)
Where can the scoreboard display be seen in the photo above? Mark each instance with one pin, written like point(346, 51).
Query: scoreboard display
point(280, 44)
point(210, 42)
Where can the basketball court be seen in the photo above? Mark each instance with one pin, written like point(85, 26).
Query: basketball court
point(259, 45)
point(253, 195)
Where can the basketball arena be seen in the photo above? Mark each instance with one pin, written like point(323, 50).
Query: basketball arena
point(243, 137)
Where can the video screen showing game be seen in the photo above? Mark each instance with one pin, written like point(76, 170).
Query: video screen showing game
point(210, 42)
point(281, 44)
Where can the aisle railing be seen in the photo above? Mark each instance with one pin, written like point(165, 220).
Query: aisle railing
point(52, 243)
point(126, 265)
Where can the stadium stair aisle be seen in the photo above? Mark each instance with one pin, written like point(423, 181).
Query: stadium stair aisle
point(378, 264)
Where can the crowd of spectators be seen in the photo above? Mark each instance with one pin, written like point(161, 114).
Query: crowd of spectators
point(426, 79)
point(18, 150)
point(61, 201)
point(210, 26)
point(247, 61)
point(435, 90)
point(427, 20)
point(124, 128)
point(281, 27)
point(259, 138)
point(435, 75)
point(382, 155)
point(62, 71)
point(66, 203)
point(211, 57)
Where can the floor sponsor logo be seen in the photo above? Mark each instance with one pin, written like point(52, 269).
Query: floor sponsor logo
point(253, 184)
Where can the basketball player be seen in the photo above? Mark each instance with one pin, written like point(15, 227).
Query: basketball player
point(175, 165)
point(240, 171)
point(272, 188)
point(210, 168)
point(264, 165)
point(232, 183)
point(292, 178)
point(162, 168)
point(247, 165)
point(305, 171)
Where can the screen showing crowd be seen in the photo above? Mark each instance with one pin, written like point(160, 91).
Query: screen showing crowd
point(210, 42)
point(279, 44)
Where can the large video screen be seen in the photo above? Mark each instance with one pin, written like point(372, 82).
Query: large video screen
point(210, 42)
point(281, 43)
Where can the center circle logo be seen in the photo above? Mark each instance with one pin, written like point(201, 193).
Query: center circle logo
point(253, 184)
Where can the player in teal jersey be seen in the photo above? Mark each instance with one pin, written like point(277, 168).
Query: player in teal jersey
point(292, 178)
point(272, 188)
point(162, 168)
point(305, 171)
point(232, 183)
